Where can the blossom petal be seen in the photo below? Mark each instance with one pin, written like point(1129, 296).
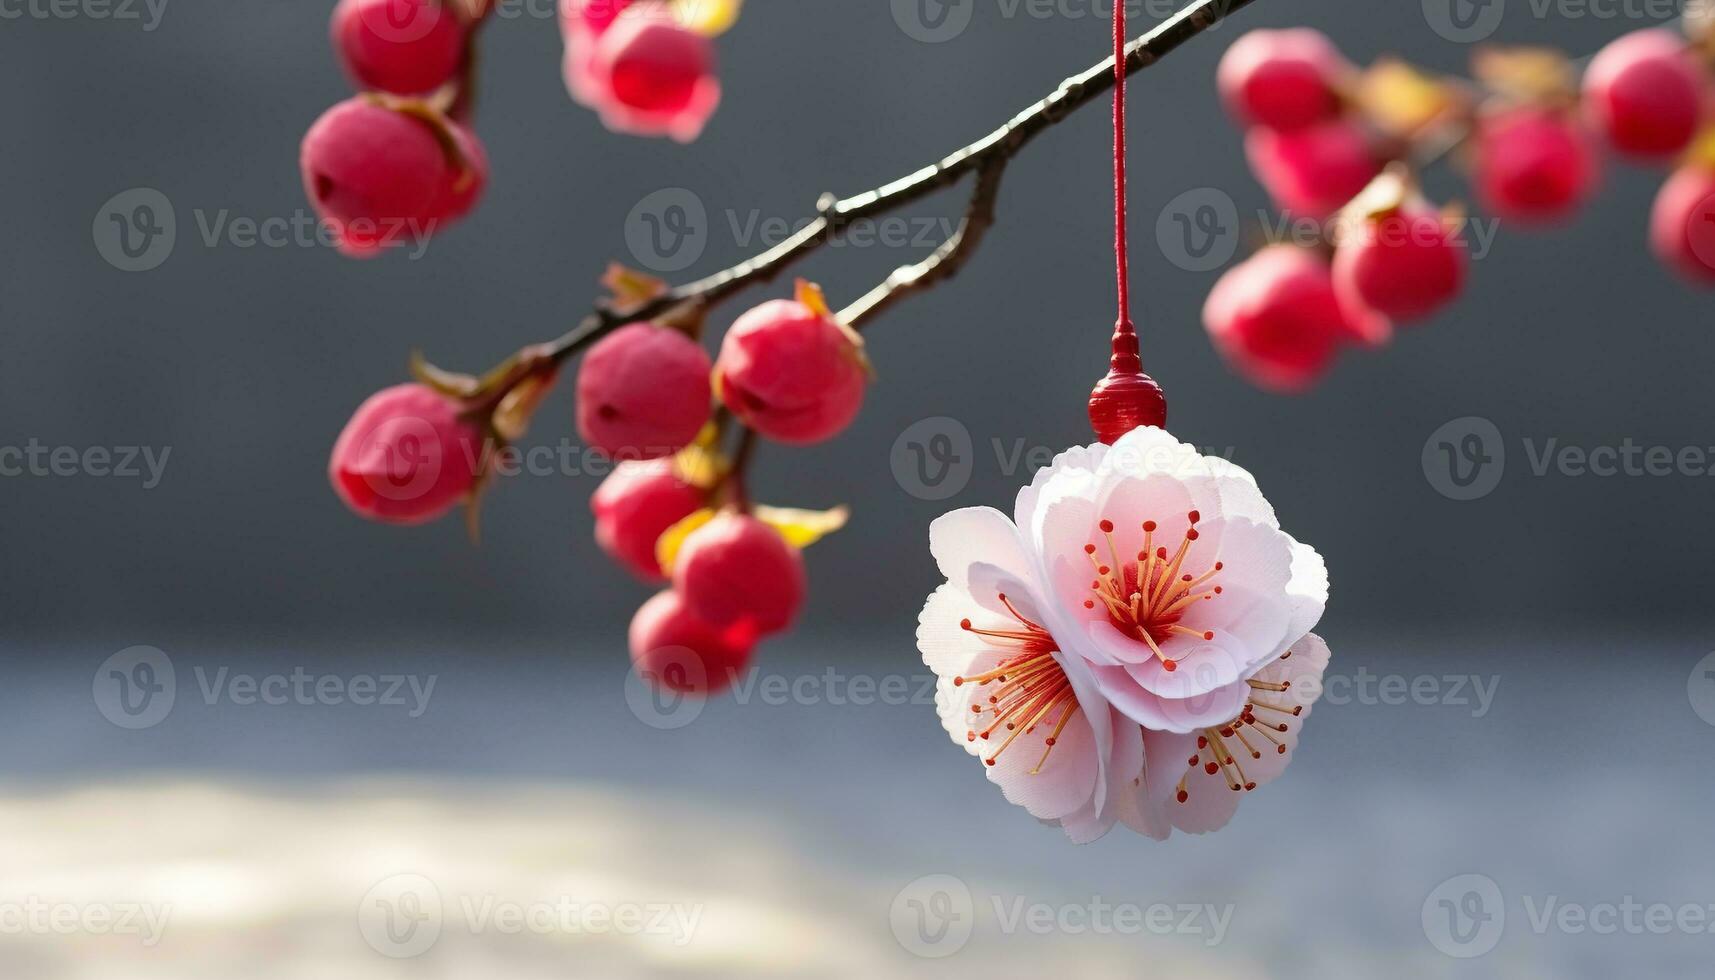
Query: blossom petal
point(980, 551)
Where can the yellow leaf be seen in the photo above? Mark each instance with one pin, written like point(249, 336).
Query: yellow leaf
point(1401, 100)
point(630, 287)
point(811, 295)
point(710, 17)
point(1702, 152)
point(702, 464)
point(1541, 76)
point(803, 528)
point(671, 540)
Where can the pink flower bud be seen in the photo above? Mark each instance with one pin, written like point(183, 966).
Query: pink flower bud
point(406, 457)
point(408, 47)
point(634, 506)
point(1316, 170)
point(1404, 265)
point(645, 73)
point(673, 649)
point(1682, 227)
point(1283, 79)
point(738, 570)
point(643, 392)
point(1534, 164)
point(1646, 94)
point(791, 373)
point(385, 178)
point(1276, 320)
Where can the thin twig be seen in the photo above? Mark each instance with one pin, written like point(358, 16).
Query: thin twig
point(946, 261)
point(988, 155)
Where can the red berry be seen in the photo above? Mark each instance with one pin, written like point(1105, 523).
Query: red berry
point(383, 178)
point(643, 392)
point(738, 570)
point(1284, 79)
point(1534, 164)
point(1645, 94)
point(791, 373)
point(1682, 227)
point(645, 73)
point(406, 457)
point(1403, 265)
point(675, 650)
point(1275, 318)
point(1316, 170)
point(634, 506)
point(408, 47)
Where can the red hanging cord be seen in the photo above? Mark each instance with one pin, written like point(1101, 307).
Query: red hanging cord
point(1120, 256)
point(1126, 398)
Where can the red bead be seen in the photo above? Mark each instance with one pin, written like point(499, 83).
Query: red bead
point(1314, 171)
point(634, 506)
point(791, 373)
point(408, 47)
point(1646, 94)
point(1534, 164)
point(1123, 402)
point(1284, 79)
point(676, 650)
point(738, 570)
point(1404, 265)
point(406, 456)
point(643, 392)
point(1682, 226)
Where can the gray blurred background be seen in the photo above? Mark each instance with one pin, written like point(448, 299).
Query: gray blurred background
point(1587, 596)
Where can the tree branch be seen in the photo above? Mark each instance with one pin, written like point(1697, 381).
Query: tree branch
point(987, 157)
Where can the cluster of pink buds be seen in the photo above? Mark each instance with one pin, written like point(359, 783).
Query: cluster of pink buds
point(647, 66)
point(396, 163)
point(674, 509)
point(1342, 146)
